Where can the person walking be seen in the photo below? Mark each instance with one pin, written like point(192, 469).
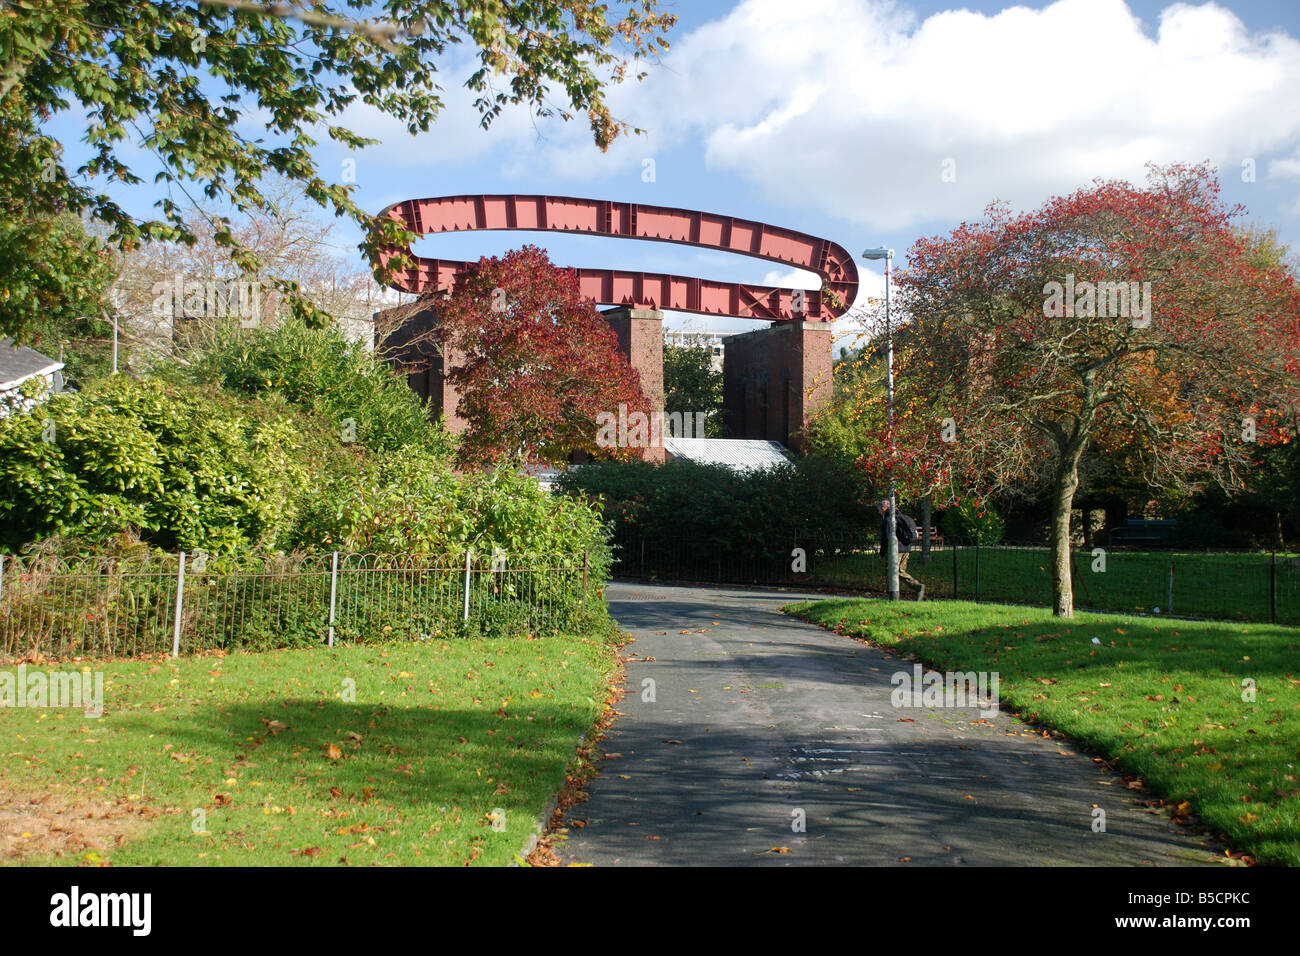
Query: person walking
point(907, 537)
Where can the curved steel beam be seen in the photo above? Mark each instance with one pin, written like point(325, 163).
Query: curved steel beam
point(628, 220)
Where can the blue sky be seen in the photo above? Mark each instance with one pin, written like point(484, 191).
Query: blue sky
point(836, 117)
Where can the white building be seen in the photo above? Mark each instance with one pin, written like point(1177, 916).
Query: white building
point(685, 338)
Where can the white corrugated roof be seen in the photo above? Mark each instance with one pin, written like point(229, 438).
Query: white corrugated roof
point(19, 363)
point(741, 454)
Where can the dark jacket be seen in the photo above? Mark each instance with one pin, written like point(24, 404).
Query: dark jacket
point(886, 525)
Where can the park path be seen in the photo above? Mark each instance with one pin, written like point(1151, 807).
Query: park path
point(758, 720)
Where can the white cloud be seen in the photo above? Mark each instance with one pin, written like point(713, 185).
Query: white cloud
point(853, 107)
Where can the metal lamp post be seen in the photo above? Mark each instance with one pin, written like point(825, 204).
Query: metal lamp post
point(891, 542)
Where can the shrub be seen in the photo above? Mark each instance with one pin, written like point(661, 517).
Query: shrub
point(190, 470)
point(973, 521)
point(720, 513)
point(255, 472)
point(183, 469)
point(320, 370)
point(414, 503)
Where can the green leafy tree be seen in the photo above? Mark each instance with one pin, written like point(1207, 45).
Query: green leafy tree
point(179, 79)
point(692, 384)
point(850, 423)
point(53, 273)
point(971, 520)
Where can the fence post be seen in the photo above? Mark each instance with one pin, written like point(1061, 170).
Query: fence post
point(954, 569)
point(469, 556)
point(925, 530)
point(334, 584)
point(1170, 603)
point(2, 576)
point(584, 576)
point(1272, 588)
point(180, 600)
point(977, 570)
point(643, 557)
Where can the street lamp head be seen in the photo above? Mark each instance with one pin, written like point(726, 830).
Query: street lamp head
point(879, 252)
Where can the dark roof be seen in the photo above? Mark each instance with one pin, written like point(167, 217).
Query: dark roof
point(21, 363)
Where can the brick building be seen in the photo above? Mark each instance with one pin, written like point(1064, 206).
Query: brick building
point(773, 378)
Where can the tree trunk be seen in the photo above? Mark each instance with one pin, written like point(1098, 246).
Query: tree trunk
point(1067, 482)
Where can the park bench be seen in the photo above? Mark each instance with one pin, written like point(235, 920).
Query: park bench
point(936, 537)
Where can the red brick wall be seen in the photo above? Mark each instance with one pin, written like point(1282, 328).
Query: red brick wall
point(641, 338)
point(774, 379)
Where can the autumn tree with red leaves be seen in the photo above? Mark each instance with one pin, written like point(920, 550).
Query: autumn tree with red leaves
point(533, 362)
point(1115, 321)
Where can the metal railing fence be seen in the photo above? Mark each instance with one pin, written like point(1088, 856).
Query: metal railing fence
point(102, 606)
point(1226, 585)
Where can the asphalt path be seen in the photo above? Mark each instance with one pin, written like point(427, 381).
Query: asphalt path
point(751, 738)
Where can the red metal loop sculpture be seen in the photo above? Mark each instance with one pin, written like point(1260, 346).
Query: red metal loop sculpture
point(628, 220)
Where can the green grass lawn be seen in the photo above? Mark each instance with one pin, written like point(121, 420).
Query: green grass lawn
point(1164, 699)
point(448, 754)
point(1227, 586)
